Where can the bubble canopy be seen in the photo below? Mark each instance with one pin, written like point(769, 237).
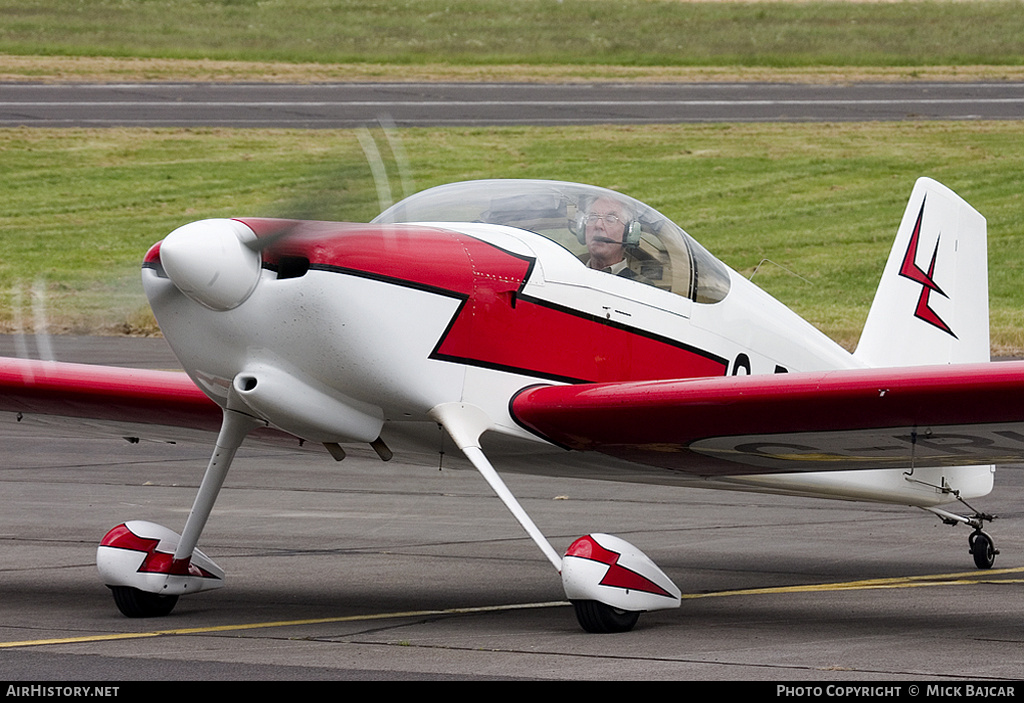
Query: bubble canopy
point(658, 251)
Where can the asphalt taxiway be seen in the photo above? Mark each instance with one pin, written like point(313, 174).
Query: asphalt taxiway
point(404, 570)
point(336, 105)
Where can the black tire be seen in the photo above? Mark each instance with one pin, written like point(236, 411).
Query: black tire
point(603, 619)
point(983, 550)
point(134, 603)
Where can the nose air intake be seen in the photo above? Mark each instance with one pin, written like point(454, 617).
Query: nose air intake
point(210, 262)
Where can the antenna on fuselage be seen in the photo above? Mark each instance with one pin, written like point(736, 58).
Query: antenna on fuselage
point(769, 261)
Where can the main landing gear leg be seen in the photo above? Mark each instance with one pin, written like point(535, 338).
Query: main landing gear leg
point(465, 423)
point(609, 581)
point(980, 543)
point(234, 427)
point(133, 557)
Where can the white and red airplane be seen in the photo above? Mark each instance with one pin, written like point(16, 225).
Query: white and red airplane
point(561, 329)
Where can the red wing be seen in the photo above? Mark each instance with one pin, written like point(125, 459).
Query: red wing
point(105, 393)
point(816, 421)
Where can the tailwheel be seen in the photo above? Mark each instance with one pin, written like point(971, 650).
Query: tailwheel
point(134, 603)
point(980, 544)
point(598, 618)
point(983, 550)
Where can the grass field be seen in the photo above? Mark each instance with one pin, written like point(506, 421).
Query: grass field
point(537, 32)
point(78, 208)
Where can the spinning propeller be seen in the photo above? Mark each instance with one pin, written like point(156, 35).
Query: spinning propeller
point(217, 262)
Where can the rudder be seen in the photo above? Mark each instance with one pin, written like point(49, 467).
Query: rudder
point(931, 306)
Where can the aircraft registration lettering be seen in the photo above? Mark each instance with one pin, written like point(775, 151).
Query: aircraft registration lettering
point(980, 444)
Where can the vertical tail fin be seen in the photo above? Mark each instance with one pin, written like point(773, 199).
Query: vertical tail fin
point(931, 306)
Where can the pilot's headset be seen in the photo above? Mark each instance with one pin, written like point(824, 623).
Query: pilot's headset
point(578, 226)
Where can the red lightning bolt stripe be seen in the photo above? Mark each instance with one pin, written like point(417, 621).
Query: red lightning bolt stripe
point(617, 576)
point(121, 537)
point(546, 340)
point(909, 269)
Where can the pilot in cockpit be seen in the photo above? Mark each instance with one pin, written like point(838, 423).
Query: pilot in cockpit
point(611, 233)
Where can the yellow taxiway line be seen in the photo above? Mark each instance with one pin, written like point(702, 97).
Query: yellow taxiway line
point(278, 623)
point(967, 578)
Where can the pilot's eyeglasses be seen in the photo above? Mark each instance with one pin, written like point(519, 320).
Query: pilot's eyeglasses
point(609, 219)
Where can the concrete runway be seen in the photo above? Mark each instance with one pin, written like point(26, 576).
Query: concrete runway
point(459, 104)
point(372, 571)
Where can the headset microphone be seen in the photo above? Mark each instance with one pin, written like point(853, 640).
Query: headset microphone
point(630, 237)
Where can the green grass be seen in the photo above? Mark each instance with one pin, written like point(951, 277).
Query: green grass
point(461, 32)
point(79, 208)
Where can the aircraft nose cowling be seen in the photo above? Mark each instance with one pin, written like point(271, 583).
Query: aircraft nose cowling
point(210, 263)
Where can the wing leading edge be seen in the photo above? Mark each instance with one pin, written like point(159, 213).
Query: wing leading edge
point(956, 415)
point(112, 394)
